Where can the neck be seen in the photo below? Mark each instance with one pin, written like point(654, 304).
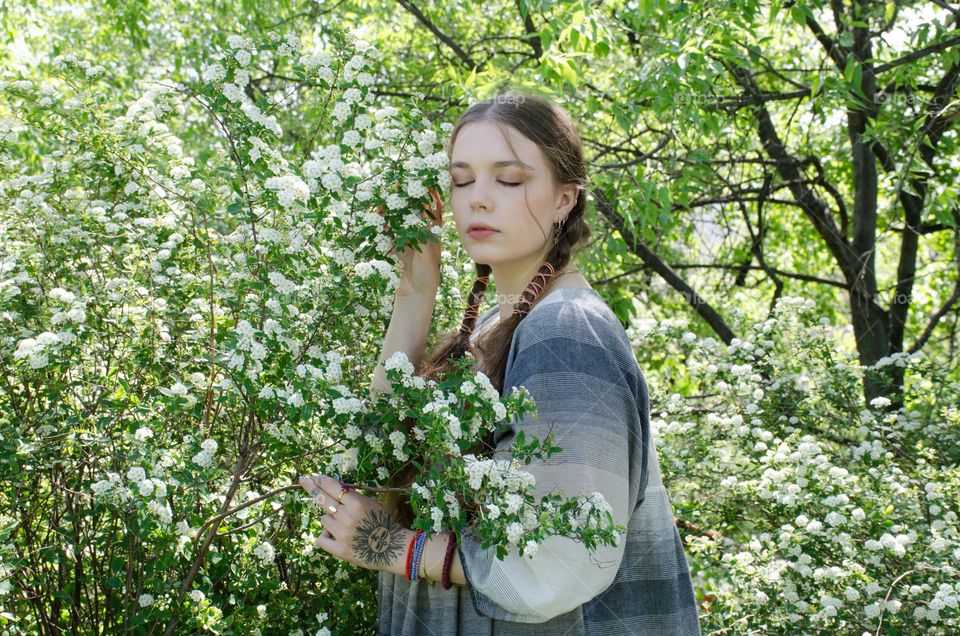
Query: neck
point(511, 280)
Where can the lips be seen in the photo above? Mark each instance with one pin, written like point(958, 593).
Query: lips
point(481, 226)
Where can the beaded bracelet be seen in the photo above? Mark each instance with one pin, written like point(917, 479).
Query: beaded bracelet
point(447, 561)
point(418, 554)
point(410, 553)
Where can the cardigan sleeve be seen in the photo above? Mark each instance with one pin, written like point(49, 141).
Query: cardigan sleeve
point(575, 367)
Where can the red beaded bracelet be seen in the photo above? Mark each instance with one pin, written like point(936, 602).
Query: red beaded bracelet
point(447, 561)
point(413, 539)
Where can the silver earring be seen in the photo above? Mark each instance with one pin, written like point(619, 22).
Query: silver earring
point(556, 233)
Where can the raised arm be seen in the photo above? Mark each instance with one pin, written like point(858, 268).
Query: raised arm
point(409, 326)
point(414, 301)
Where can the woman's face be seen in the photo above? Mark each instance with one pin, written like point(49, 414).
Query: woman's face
point(490, 187)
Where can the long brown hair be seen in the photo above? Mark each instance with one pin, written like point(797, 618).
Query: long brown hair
point(552, 129)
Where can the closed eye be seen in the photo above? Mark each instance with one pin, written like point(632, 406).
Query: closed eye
point(506, 183)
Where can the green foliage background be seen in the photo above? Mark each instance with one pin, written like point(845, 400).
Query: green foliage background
point(697, 230)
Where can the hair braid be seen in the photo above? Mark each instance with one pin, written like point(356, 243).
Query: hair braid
point(477, 293)
point(534, 289)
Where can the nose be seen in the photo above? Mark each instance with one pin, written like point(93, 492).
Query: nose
point(478, 195)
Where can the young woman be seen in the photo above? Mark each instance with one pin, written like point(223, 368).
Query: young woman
point(518, 199)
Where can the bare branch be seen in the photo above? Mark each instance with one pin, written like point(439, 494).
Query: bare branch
point(701, 306)
point(918, 54)
point(640, 158)
point(462, 55)
point(532, 38)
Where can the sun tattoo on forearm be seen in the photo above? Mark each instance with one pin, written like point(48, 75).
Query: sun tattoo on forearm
point(378, 539)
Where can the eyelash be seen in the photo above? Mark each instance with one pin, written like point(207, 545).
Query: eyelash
point(506, 183)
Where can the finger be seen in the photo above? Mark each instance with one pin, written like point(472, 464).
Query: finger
point(313, 489)
point(328, 544)
point(435, 212)
point(333, 526)
point(333, 489)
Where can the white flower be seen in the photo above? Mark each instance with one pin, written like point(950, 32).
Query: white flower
point(161, 511)
point(265, 553)
point(136, 474)
point(146, 600)
point(493, 511)
point(514, 501)
point(289, 188)
point(347, 405)
point(197, 596)
point(514, 531)
point(437, 515)
point(146, 488)
point(25, 348)
point(214, 73)
point(281, 283)
point(399, 361)
point(143, 434)
point(102, 487)
point(453, 427)
point(243, 57)
point(180, 389)
point(209, 445)
point(397, 438)
point(530, 549)
point(203, 459)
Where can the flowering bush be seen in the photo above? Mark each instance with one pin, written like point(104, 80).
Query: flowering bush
point(186, 292)
point(804, 510)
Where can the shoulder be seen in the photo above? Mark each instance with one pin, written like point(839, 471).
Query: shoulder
point(576, 325)
point(579, 314)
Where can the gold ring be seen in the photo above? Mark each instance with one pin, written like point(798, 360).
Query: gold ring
point(332, 509)
point(340, 496)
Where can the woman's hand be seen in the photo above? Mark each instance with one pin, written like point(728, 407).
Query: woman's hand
point(421, 269)
point(359, 529)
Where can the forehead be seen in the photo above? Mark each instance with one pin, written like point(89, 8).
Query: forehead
point(482, 145)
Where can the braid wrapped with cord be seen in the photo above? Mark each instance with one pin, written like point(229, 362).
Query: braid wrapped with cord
point(470, 315)
point(533, 291)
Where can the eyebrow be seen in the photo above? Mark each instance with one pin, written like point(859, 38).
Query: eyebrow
point(497, 164)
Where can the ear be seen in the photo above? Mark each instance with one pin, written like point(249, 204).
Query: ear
point(566, 199)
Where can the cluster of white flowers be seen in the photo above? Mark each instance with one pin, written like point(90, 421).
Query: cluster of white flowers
point(289, 189)
point(265, 552)
point(347, 405)
point(36, 350)
point(281, 283)
point(112, 484)
point(204, 458)
point(176, 300)
point(398, 439)
point(498, 473)
point(399, 361)
point(595, 501)
point(514, 531)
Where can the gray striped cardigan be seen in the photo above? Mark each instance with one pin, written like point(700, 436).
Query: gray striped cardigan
point(574, 357)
